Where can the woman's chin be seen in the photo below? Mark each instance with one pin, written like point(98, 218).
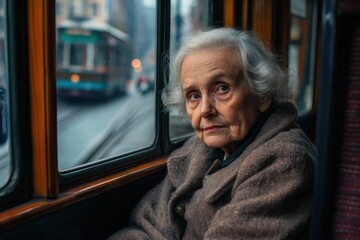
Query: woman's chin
point(215, 142)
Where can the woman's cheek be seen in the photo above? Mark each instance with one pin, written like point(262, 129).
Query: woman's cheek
point(235, 132)
point(199, 135)
point(195, 121)
point(238, 129)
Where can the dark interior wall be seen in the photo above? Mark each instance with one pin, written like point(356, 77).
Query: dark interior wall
point(94, 218)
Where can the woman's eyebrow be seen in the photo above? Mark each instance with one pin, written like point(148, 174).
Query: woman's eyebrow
point(213, 78)
point(188, 88)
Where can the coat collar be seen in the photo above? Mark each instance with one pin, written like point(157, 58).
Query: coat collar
point(188, 165)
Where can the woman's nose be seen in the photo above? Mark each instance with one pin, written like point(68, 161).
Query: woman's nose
point(207, 107)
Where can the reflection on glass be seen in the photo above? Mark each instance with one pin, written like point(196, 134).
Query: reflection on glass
point(186, 18)
point(106, 106)
point(5, 159)
point(300, 53)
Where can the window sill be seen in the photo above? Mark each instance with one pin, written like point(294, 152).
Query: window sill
point(39, 207)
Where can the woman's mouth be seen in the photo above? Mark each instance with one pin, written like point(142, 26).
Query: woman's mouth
point(210, 129)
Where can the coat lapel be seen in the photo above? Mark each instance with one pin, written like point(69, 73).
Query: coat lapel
point(223, 180)
point(187, 167)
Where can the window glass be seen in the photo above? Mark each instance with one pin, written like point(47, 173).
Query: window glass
point(77, 54)
point(186, 18)
point(105, 79)
point(302, 51)
point(5, 159)
point(99, 59)
point(60, 54)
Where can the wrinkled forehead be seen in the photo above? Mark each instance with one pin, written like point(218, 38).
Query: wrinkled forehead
point(216, 61)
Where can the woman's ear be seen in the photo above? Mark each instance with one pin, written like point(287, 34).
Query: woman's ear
point(265, 103)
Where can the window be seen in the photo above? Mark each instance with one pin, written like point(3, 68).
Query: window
point(14, 103)
point(106, 108)
point(58, 9)
point(302, 43)
point(186, 18)
point(94, 9)
point(99, 57)
point(77, 54)
point(60, 55)
point(76, 8)
point(6, 164)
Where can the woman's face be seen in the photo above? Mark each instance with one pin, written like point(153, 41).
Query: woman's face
point(222, 109)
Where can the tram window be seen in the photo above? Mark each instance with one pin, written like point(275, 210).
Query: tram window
point(99, 56)
point(60, 55)
point(77, 54)
point(6, 164)
point(186, 18)
point(94, 8)
point(108, 110)
point(301, 51)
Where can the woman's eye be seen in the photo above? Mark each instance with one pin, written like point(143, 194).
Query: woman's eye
point(222, 89)
point(194, 96)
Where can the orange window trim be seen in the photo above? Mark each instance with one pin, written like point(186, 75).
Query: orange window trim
point(229, 18)
point(262, 18)
point(41, 26)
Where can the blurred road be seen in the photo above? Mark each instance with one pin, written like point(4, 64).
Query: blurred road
point(98, 130)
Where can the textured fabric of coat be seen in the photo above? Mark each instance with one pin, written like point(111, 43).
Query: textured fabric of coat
point(266, 193)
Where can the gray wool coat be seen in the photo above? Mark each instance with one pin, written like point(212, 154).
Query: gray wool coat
point(266, 193)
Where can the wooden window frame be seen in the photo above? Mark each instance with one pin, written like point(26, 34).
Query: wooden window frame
point(46, 197)
point(260, 16)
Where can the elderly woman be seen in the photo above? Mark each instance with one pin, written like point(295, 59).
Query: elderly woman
point(247, 174)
